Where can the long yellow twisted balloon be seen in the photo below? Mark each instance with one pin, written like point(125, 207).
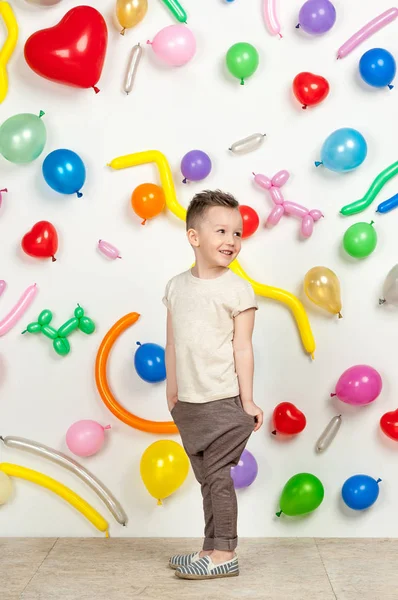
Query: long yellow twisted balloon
point(166, 179)
point(8, 48)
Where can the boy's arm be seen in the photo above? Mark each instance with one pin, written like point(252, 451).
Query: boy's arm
point(244, 362)
point(171, 381)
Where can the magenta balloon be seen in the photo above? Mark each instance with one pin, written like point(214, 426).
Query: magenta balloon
point(359, 385)
point(245, 471)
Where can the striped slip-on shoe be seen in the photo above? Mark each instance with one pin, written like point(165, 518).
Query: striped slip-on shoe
point(182, 560)
point(204, 568)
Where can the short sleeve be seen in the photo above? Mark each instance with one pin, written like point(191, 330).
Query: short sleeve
point(246, 299)
point(165, 298)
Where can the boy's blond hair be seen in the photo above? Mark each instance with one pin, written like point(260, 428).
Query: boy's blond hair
point(201, 202)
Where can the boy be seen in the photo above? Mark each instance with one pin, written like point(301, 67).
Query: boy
point(209, 363)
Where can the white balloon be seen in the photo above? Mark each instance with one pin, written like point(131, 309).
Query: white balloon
point(390, 288)
point(5, 488)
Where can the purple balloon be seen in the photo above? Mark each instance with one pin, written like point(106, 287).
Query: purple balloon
point(245, 471)
point(359, 385)
point(195, 165)
point(317, 16)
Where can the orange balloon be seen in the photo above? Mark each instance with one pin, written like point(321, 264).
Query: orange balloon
point(148, 201)
point(105, 391)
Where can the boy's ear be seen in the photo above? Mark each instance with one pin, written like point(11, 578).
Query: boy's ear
point(193, 237)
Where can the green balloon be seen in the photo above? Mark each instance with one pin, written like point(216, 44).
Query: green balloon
point(242, 60)
point(86, 325)
point(61, 346)
point(360, 240)
point(22, 138)
point(302, 494)
point(45, 317)
point(68, 327)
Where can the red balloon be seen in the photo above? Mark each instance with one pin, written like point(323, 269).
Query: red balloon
point(250, 220)
point(72, 52)
point(310, 89)
point(41, 241)
point(389, 424)
point(288, 419)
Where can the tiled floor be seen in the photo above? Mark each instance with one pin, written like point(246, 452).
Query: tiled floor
point(270, 569)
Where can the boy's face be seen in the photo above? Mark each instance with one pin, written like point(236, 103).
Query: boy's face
point(218, 237)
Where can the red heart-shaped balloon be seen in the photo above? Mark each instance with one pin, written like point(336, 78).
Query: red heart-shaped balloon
point(389, 424)
point(41, 241)
point(310, 89)
point(72, 52)
point(288, 419)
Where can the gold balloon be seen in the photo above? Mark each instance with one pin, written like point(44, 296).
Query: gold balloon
point(130, 12)
point(5, 488)
point(164, 467)
point(323, 288)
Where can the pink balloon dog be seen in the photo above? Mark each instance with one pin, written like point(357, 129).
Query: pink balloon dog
point(283, 207)
point(359, 385)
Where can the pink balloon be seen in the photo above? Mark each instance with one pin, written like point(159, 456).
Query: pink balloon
point(1, 197)
point(3, 286)
point(18, 310)
point(270, 17)
point(280, 178)
point(85, 438)
point(108, 250)
point(359, 385)
point(275, 215)
point(291, 208)
point(367, 30)
point(263, 181)
point(307, 226)
point(175, 45)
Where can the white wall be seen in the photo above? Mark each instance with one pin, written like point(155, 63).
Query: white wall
point(175, 110)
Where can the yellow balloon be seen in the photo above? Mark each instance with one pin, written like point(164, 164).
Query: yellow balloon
point(166, 179)
point(323, 288)
point(8, 48)
point(164, 468)
point(130, 12)
point(58, 488)
point(5, 488)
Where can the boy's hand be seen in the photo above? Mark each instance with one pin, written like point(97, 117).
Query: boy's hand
point(171, 403)
point(254, 411)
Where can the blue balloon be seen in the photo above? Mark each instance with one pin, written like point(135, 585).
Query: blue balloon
point(377, 68)
point(64, 171)
point(360, 491)
point(388, 205)
point(149, 362)
point(344, 150)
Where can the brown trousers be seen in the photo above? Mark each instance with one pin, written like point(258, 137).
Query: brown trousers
point(214, 435)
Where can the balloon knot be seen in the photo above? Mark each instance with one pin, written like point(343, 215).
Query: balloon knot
point(138, 343)
point(96, 89)
point(312, 356)
point(24, 331)
point(4, 190)
point(184, 180)
point(53, 259)
point(318, 163)
point(340, 315)
point(106, 534)
point(41, 114)
point(149, 42)
point(298, 26)
point(390, 87)
point(123, 31)
point(79, 194)
point(159, 502)
point(278, 514)
point(273, 432)
point(372, 222)
point(107, 427)
point(242, 81)
point(382, 301)
point(304, 107)
point(379, 480)
point(280, 36)
point(143, 222)
point(332, 395)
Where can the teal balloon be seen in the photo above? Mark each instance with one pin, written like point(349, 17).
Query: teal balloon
point(22, 138)
point(242, 60)
point(344, 150)
point(302, 494)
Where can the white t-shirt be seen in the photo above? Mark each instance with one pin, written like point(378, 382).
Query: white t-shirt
point(203, 312)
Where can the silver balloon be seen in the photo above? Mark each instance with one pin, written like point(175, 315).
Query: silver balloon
point(390, 288)
point(44, 2)
point(68, 463)
point(328, 434)
point(248, 144)
point(134, 61)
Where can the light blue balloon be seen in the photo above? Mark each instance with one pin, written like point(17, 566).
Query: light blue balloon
point(344, 150)
point(64, 171)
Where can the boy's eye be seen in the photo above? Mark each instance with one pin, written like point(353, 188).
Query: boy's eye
point(221, 231)
point(238, 234)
